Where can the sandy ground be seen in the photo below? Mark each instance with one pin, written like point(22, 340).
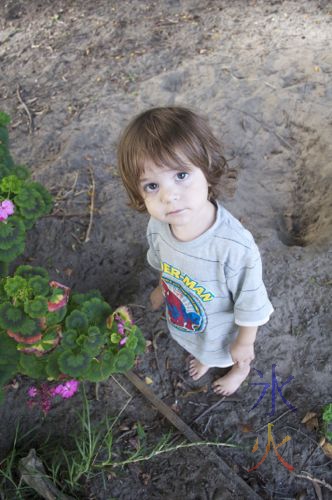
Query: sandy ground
point(261, 72)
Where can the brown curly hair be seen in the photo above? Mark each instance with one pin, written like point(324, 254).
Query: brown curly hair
point(164, 136)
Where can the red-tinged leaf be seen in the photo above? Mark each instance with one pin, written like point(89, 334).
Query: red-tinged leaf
point(23, 339)
point(61, 299)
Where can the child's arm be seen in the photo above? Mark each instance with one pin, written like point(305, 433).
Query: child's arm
point(157, 297)
point(242, 349)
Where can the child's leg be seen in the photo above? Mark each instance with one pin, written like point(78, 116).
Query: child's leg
point(229, 383)
point(197, 369)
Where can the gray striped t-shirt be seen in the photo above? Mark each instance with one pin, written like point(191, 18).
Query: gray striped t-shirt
point(211, 285)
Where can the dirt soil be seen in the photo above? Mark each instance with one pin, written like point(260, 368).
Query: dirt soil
point(72, 74)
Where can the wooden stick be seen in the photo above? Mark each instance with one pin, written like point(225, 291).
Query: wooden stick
point(33, 473)
point(232, 482)
point(92, 204)
point(25, 107)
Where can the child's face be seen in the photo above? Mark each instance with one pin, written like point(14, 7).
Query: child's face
point(177, 197)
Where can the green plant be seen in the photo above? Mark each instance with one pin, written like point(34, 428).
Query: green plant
point(47, 334)
point(10, 483)
point(22, 202)
point(327, 421)
point(93, 450)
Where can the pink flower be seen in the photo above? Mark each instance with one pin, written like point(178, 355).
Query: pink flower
point(67, 390)
point(123, 341)
point(8, 206)
point(3, 214)
point(32, 392)
point(121, 328)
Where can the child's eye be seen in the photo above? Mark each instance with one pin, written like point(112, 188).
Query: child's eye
point(182, 175)
point(149, 188)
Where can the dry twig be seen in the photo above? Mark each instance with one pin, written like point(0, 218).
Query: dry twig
point(25, 107)
point(92, 193)
point(59, 214)
point(272, 422)
point(314, 480)
point(208, 410)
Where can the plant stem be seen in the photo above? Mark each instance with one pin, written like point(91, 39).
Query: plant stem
point(154, 453)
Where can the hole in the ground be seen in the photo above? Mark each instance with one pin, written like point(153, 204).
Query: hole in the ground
point(308, 218)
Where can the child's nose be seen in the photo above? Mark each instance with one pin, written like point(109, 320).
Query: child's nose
point(169, 194)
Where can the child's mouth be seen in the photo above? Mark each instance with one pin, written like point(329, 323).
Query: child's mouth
point(176, 212)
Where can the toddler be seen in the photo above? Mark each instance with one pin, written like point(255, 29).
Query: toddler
point(211, 274)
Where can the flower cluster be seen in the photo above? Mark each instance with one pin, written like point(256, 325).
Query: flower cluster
point(66, 390)
point(121, 330)
point(7, 208)
point(42, 396)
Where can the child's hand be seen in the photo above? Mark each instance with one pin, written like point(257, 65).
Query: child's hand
point(156, 298)
point(242, 354)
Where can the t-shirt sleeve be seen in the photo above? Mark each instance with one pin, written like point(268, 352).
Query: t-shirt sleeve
point(153, 252)
point(252, 306)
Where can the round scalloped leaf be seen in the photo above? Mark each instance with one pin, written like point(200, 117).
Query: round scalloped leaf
point(97, 311)
point(12, 317)
point(4, 169)
point(54, 318)
point(36, 308)
point(52, 366)
point(6, 374)
point(80, 340)
point(9, 358)
point(32, 366)
point(12, 253)
point(115, 338)
point(11, 184)
point(132, 343)
point(79, 298)
point(29, 334)
point(44, 345)
point(27, 272)
point(3, 293)
point(39, 286)
point(69, 338)
point(123, 361)
point(141, 342)
point(94, 342)
point(15, 285)
point(8, 351)
point(31, 204)
point(59, 297)
point(100, 369)
point(21, 172)
point(12, 232)
point(77, 320)
point(46, 196)
point(74, 364)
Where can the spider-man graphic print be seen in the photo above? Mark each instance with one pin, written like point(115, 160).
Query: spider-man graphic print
point(184, 310)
